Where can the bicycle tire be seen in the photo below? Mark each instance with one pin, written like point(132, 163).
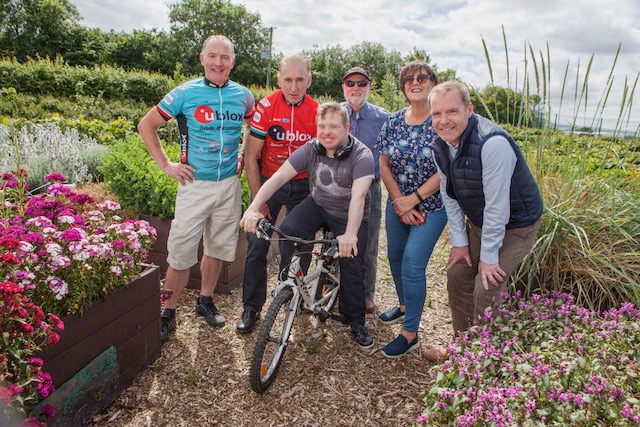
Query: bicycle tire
point(272, 340)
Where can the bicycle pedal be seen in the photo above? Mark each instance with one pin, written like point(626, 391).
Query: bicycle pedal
point(323, 316)
point(339, 317)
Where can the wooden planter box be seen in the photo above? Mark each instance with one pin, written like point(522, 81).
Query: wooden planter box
point(101, 351)
point(231, 273)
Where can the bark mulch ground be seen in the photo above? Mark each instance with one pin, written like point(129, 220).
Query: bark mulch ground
point(201, 378)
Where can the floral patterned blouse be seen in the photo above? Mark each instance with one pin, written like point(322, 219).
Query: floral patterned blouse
point(412, 161)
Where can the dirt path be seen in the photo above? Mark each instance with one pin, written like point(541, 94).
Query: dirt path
point(201, 378)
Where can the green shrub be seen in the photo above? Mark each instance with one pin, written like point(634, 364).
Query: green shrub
point(137, 182)
point(92, 158)
point(36, 108)
point(54, 77)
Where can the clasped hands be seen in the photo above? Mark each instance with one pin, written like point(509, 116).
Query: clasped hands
point(404, 207)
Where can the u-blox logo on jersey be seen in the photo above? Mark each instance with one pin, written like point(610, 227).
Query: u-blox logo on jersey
point(204, 114)
point(277, 133)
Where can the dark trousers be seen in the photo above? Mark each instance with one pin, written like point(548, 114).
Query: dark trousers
point(307, 218)
point(254, 287)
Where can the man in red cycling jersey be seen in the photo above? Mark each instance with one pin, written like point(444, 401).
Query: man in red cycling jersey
point(283, 121)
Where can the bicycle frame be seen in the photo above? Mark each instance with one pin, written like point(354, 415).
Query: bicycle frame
point(316, 292)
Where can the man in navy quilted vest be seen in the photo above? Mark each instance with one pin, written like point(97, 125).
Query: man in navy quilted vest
point(492, 201)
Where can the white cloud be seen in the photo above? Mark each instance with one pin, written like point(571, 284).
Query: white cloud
point(451, 32)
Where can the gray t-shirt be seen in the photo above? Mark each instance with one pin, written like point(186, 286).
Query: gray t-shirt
point(330, 179)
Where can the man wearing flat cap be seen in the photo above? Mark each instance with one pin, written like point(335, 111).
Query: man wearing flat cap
point(366, 120)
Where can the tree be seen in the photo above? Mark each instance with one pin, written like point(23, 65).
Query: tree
point(86, 46)
point(142, 50)
point(32, 28)
point(327, 66)
point(505, 105)
point(376, 59)
point(192, 21)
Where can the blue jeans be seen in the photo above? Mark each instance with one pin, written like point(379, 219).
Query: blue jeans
point(254, 284)
point(371, 255)
point(409, 248)
point(307, 218)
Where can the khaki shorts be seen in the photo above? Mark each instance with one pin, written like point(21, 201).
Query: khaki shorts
point(205, 209)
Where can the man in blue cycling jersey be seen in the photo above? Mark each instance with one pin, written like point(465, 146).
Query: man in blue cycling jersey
point(210, 112)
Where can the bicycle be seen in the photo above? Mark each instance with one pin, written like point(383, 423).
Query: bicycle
point(316, 292)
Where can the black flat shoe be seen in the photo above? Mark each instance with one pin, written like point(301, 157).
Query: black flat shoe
point(247, 322)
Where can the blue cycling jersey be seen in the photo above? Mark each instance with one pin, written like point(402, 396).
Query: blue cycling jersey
point(210, 121)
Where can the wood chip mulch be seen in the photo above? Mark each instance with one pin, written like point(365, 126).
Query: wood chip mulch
point(201, 378)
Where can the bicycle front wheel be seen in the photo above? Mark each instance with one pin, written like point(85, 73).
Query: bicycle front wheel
point(272, 341)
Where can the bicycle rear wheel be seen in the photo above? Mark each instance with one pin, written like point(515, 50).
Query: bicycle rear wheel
point(272, 341)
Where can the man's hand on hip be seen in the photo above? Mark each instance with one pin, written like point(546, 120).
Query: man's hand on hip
point(181, 172)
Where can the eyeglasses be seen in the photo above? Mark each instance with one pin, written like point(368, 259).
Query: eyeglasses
point(360, 83)
point(421, 79)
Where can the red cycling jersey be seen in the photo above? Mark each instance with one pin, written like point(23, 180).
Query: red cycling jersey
point(284, 127)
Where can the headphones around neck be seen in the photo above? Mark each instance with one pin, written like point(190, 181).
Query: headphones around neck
point(341, 153)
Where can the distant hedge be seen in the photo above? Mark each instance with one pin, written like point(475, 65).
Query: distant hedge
point(54, 77)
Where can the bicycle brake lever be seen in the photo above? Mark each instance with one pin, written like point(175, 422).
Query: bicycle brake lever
point(261, 230)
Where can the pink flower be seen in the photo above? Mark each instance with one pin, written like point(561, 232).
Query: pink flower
point(109, 205)
point(36, 361)
point(48, 411)
point(55, 177)
point(53, 338)
point(45, 388)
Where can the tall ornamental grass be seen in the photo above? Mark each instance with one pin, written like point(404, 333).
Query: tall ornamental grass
point(568, 353)
point(589, 240)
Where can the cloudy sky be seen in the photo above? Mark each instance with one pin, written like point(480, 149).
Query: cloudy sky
point(451, 32)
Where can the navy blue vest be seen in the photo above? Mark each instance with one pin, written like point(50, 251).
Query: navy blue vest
point(464, 175)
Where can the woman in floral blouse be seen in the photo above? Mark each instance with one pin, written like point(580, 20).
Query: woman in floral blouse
point(415, 216)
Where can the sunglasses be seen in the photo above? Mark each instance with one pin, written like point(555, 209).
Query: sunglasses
point(421, 79)
point(360, 83)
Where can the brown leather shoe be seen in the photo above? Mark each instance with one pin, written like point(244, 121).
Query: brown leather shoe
point(370, 305)
point(437, 354)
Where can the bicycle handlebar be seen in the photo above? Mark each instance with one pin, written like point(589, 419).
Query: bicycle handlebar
point(264, 226)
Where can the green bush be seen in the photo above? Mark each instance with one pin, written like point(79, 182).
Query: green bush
point(137, 182)
point(92, 158)
point(35, 108)
point(54, 77)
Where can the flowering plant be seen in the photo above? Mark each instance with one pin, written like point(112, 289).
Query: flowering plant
point(541, 361)
point(59, 252)
point(64, 250)
point(24, 325)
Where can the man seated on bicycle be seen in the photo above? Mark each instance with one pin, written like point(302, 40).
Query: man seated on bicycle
point(340, 170)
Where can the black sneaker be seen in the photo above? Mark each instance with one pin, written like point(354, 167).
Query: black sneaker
point(206, 308)
point(362, 336)
point(167, 324)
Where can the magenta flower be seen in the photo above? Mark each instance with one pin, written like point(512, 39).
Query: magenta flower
point(48, 411)
point(55, 177)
